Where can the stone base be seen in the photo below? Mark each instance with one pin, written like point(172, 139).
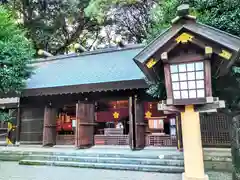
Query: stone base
point(185, 177)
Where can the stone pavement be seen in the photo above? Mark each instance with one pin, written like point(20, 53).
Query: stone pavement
point(13, 171)
point(152, 151)
point(112, 149)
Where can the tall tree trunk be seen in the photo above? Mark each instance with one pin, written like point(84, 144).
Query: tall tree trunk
point(236, 148)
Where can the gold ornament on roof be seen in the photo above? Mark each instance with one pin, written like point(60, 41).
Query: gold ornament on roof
point(225, 54)
point(151, 63)
point(184, 38)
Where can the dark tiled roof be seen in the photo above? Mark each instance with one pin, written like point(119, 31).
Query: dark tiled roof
point(153, 46)
point(216, 35)
point(99, 66)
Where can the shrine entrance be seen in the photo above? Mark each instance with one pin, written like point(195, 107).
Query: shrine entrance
point(66, 124)
point(112, 123)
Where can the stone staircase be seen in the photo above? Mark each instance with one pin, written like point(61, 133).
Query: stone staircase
point(133, 162)
point(167, 160)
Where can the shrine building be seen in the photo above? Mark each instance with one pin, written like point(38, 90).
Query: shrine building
point(100, 97)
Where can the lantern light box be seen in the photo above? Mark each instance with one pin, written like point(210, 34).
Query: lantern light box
point(188, 80)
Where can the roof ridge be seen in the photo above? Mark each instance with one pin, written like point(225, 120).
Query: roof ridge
point(219, 30)
point(87, 53)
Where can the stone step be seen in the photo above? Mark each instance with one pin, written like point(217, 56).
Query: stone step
point(130, 167)
point(110, 160)
point(150, 155)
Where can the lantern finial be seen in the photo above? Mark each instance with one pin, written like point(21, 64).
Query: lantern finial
point(183, 10)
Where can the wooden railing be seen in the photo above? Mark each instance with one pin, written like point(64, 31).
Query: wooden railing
point(151, 140)
point(111, 140)
point(161, 140)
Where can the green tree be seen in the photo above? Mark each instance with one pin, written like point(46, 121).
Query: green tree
point(221, 14)
point(129, 18)
point(16, 53)
point(55, 25)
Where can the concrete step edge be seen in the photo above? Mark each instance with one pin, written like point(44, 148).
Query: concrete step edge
point(164, 157)
point(21, 155)
point(147, 168)
point(137, 161)
point(103, 157)
point(93, 154)
point(175, 157)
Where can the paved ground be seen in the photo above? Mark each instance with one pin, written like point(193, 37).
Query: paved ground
point(13, 171)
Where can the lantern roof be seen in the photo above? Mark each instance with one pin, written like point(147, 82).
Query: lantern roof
point(185, 28)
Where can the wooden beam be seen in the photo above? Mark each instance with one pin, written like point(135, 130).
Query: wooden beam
point(172, 44)
point(168, 81)
point(208, 80)
point(158, 117)
point(132, 127)
point(217, 49)
point(211, 106)
point(139, 123)
point(18, 129)
point(162, 106)
point(184, 58)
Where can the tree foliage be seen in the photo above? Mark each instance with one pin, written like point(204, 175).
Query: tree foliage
point(129, 18)
point(53, 25)
point(15, 55)
point(7, 115)
point(221, 14)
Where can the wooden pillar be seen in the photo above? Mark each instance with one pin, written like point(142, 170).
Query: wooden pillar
point(137, 124)
point(84, 136)
point(179, 132)
point(192, 144)
point(49, 126)
point(132, 128)
point(18, 128)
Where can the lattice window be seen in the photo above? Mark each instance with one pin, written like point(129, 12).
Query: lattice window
point(216, 129)
point(188, 80)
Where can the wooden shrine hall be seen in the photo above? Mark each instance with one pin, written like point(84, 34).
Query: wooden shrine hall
point(100, 97)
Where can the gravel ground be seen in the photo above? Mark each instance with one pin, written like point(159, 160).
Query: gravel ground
point(13, 171)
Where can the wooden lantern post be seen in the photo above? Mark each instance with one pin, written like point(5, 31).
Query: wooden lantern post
point(185, 53)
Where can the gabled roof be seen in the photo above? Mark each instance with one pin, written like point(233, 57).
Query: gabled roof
point(220, 41)
point(90, 68)
point(157, 43)
point(221, 37)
